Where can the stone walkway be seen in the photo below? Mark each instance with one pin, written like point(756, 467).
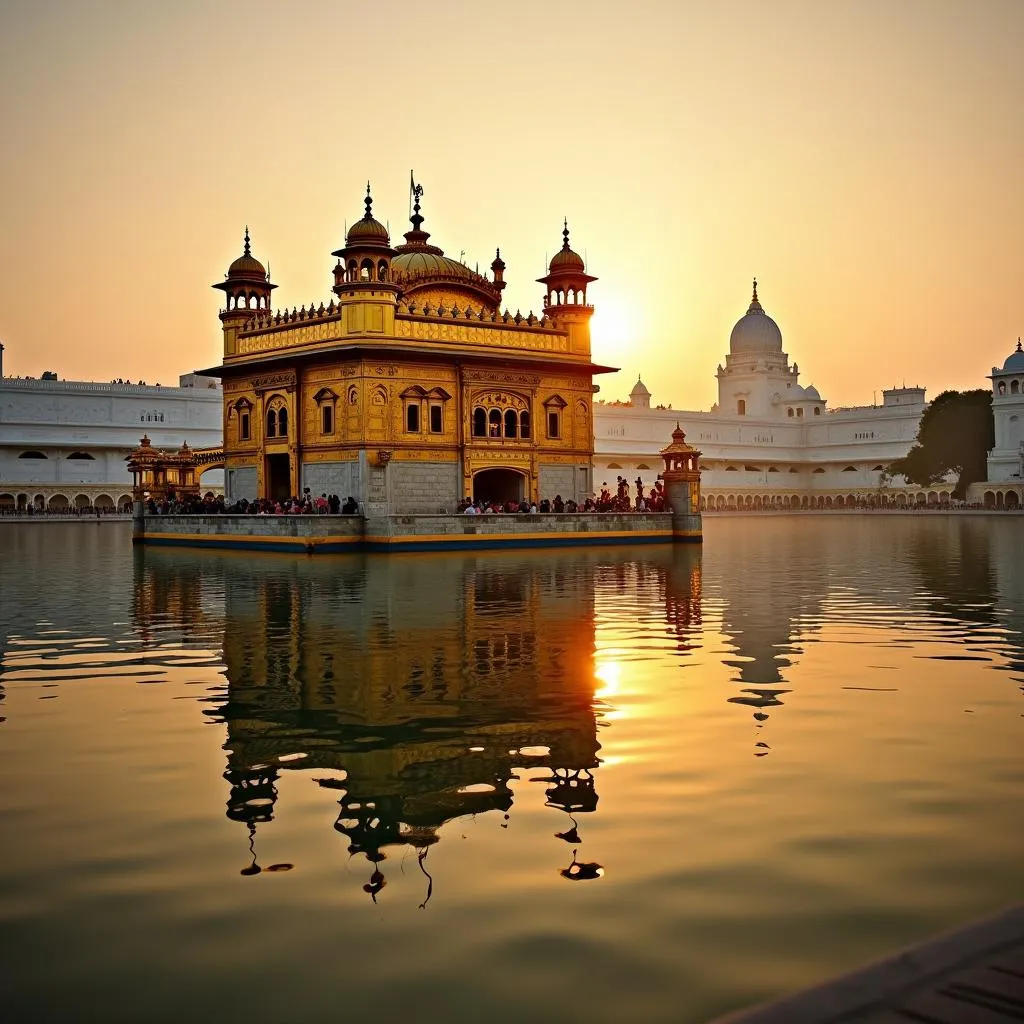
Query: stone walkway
point(974, 975)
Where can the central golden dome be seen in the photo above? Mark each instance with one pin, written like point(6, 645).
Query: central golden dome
point(427, 276)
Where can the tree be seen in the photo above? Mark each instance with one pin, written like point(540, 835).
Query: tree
point(956, 432)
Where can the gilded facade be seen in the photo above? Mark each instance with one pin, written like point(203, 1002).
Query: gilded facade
point(410, 388)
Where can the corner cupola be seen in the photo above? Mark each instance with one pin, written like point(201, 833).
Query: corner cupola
point(246, 285)
point(566, 280)
point(367, 253)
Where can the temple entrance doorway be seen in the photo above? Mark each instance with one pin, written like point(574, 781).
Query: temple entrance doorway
point(279, 477)
point(501, 485)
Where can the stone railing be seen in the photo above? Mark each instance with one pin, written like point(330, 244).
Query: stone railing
point(93, 387)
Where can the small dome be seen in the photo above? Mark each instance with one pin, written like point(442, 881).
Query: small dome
point(812, 392)
point(639, 388)
point(756, 332)
point(1015, 361)
point(565, 260)
point(367, 231)
point(247, 267)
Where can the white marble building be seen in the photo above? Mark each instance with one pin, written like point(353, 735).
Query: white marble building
point(769, 441)
point(1004, 486)
point(63, 443)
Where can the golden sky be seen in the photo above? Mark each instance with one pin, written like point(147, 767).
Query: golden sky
point(862, 157)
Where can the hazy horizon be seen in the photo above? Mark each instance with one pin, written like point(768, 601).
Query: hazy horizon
point(862, 160)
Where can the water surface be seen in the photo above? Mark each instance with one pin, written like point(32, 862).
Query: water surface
point(616, 785)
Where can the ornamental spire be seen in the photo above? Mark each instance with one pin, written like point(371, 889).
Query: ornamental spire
point(755, 305)
point(565, 233)
point(247, 252)
point(369, 204)
point(415, 193)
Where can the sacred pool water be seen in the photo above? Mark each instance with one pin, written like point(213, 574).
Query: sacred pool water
point(613, 785)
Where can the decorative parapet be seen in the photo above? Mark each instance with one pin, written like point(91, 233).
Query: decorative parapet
point(471, 325)
point(268, 321)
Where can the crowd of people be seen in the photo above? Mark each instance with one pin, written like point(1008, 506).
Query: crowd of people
point(212, 505)
point(619, 501)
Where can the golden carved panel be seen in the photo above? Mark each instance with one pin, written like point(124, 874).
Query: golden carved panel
point(477, 334)
point(291, 338)
point(504, 399)
point(498, 377)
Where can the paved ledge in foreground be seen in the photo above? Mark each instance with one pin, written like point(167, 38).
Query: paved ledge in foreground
point(973, 975)
point(324, 534)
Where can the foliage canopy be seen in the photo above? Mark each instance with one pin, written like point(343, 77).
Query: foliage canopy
point(956, 432)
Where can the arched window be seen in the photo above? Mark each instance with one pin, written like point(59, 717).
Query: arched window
point(32, 455)
point(282, 422)
point(817, 410)
point(366, 271)
point(799, 414)
point(382, 271)
point(243, 426)
point(353, 270)
point(272, 423)
point(1001, 388)
point(741, 407)
point(436, 418)
point(1014, 387)
point(789, 413)
point(412, 418)
point(511, 422)
point(524, 424)
point(819, 469)
point(84, 456)
point(479, 422)
point(877, 469)
point(494, 423)
point(327, 418)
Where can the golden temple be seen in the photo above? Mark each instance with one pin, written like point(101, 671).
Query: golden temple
point(410, 388)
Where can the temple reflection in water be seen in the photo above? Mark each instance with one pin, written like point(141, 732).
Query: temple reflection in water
point(421, 686)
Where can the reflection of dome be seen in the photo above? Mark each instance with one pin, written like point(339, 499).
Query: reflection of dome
point(756, 332)
point(1015, 361)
